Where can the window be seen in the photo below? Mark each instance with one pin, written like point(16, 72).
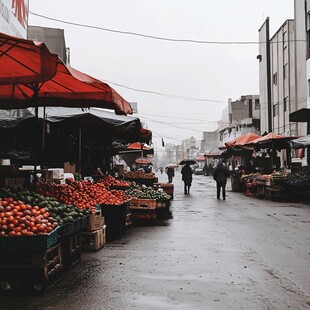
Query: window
point(275, 109)
point(285, 104)
point(275, 79)
point(284, 39)
point(257, 106)
point(250, 109)
point(285, 73)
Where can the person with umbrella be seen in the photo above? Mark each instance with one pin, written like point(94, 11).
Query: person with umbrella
point(220, 175)
point(187, 175)
point(170, 172)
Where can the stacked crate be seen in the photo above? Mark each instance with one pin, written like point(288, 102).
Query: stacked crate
point(95, 237)
point(142, 209)
point(30, 263)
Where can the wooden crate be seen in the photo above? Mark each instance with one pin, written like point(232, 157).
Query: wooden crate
point(137, 203)
point(71, 250)
point(143, 214)
point(93, 240)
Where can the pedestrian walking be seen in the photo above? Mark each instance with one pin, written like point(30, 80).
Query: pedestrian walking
point(170, 173)
point(220, 175)
point(187, 177)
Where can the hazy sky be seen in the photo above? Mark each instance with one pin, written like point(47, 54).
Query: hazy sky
point(204, 71)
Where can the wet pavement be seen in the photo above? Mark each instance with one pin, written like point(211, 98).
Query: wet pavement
point(242, 253)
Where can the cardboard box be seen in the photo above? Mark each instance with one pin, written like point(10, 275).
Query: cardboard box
point(96, 221)
point(58, 173)
point(69, 168)
point(93, 240)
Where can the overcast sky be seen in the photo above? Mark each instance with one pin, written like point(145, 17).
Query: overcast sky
point(204, 71)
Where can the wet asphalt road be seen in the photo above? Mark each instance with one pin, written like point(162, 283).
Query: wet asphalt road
point(242, 253)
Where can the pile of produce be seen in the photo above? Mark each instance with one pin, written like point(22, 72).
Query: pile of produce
point(143, 192)
point(139, 175)
point(61, 213)
point(298, 178)
point(83, 194)
point(19, 219)
point(110, 181)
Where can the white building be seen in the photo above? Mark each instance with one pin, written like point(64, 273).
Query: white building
point(282, 76)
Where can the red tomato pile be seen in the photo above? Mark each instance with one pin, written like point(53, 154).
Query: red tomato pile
point(109, 180)
point(83, 194)
point(17, 219)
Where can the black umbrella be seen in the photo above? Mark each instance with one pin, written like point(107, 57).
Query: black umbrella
point(188, 161)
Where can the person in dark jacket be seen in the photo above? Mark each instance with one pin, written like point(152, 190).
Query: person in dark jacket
point(170, 173)
point(220, 175)
point(187, 177)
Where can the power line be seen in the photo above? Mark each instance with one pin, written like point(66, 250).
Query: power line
point(164, 95)
point(156, 37)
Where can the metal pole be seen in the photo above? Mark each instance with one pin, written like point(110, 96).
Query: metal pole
point(80, 150)
point(268, 60)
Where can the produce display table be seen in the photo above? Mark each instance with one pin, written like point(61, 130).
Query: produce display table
point(168, 188)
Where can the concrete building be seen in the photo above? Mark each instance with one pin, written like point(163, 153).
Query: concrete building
point(282, 76)
point(209, 141)
point(243, 117)
point(53, 38)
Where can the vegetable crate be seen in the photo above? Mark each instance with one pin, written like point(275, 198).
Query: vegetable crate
point(71, 250)
point(142, 209)
point(115, 220)
point(93, 240)
point(28, 270)
point(163, 209)
point(35, 242)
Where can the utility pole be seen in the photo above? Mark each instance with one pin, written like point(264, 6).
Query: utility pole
point(269, 105)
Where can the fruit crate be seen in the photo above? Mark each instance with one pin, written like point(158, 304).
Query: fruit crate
point(137, 203)
point(35, 242)
point(29, 280)
point(30, 258)
point(81, 223)
point(67, 229)
point(140, 215)
point(71, 250)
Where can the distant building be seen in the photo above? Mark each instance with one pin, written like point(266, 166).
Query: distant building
point(209, 141)
point(53, 38)
point(243, 117)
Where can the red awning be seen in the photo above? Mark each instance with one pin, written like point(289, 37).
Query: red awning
point(24, 61)
point(269, 138)
point(242, 140)
point(143, 161)
point(137, 146)
point(64, 89)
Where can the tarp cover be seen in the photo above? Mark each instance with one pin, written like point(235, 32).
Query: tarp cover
point(12, 118)
point(300, 142)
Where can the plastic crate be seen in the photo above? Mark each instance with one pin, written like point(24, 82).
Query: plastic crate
point(35, 242)
point(67, 229)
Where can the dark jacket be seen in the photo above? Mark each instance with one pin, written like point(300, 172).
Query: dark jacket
point(220, 174)
point(187, 174)
point(170, 172)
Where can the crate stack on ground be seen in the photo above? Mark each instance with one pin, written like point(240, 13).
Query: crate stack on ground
point(142, 210)
point(95, 237)
point(30, 263)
